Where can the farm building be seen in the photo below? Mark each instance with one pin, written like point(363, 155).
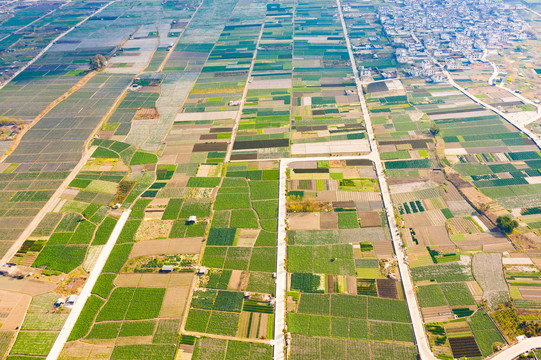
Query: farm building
point(166, 269)
point(71, 300)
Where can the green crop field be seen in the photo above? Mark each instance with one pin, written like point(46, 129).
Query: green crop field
point(232, 201)
point(228, 301)
point(204, 127)
point(36, 321)
point(430, 295)
point(146, 304)
point(197, 320)
point(223, 323)
point(138, 328)
point(106, 330)
point(143, 352)
point(34, 343)
point(388, 310)
point(457, 294)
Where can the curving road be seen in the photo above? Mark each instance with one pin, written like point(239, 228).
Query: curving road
point(512, 351)
point(518, 95)
point(521, 127)
point(516, 350)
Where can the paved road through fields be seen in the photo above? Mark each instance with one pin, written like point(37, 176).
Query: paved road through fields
point(522, 98)
point(414, 312)
point(87, 289)
point(281, 272)
point(515, 350)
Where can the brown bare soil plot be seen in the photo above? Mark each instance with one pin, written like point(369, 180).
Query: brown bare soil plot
point(369, 218)
point(181, 279)
point(383, 249)
point(326, 195)
point(127, 280)
point(433, 236)
point(530, 293)
point(174, 302)
point(464, 347)
point(166, 247)
point(351, 283)
point(133, 340)
point(154, 280)
point(13, 308)
point(77, 351)
point(328, 220)
point(437, 314)
point(330, 284)
point(304, 221)
point(489, 242)
point(387, 288)
point(238, 281)
point(27, 286)
point(146, 113)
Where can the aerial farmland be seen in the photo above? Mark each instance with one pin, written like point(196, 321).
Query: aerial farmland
point(257, 179)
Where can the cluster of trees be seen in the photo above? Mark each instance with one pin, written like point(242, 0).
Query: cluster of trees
point(5, 121)
point(98, 62)
point(298, 204)
point(530, 328)
point(122, 191)
point(506, 224)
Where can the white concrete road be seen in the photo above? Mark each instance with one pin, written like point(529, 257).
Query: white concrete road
point(87, 289)
point(242, 100)
point(522, 98)
point(281, 278)
point(421, 340)
point(281, 273)
point(515, 350)
point(520, 126)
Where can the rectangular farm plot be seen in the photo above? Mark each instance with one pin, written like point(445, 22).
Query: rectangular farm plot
point(457, 294)
point(33, 343)
point(337, 277)
point(132, 304)
point(255, 325)
point(209, 348)
point(240, 255)
point(221, 236)
point(464, 346)
point(430, 296)
point(328, 259)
